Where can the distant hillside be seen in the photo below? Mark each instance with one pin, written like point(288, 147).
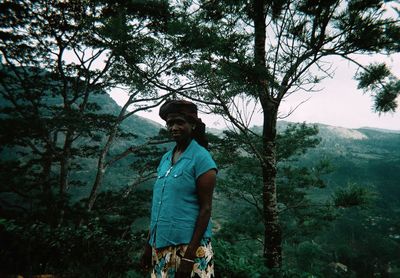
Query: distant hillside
point(142, 127)
point(122, 173)
point(366, 156)
point(380, 129)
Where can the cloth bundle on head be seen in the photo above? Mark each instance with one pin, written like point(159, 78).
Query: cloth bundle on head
point(183, 107)
point(189, 111)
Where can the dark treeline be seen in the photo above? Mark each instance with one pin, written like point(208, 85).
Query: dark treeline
point(292, 201)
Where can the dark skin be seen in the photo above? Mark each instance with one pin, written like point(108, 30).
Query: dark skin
point(181, 131)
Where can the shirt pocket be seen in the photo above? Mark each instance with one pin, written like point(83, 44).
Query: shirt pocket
point(177, 173)
point(183, 183)
point(162, 170)
point(184, 169)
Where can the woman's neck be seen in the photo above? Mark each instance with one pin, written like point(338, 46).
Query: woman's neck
point(181, 146)
point(179, 149)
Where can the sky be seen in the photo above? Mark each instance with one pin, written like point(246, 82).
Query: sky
point(338, 103)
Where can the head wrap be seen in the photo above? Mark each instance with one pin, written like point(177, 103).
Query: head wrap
point(189, 111)
point(183, 107)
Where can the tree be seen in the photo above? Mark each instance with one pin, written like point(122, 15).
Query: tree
point(48, 96)
point(58, 59)
point(83, 55)
point(258, 52)
point(242, 184)
point(308, 210)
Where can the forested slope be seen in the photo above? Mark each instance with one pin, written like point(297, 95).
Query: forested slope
point(316, 231)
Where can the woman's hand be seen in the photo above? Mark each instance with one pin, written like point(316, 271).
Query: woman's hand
point(186, 266)
point(145, 261)
point(184, 270)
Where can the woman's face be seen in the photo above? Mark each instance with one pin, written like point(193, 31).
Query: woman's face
point(179, 128)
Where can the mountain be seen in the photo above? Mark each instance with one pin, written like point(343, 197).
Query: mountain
point(365, 155)
point(122, 173)
point(142, 127)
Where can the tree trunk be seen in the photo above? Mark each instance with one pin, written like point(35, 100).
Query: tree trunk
point(101, 168)
point(101, 163)
point(273, 235)
point(45, 181)
point(65, 164)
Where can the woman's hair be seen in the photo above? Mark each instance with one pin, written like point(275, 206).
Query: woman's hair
point(189, 111)
point(199, 133)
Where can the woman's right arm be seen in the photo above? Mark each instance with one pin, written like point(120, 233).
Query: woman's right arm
point(145, 261)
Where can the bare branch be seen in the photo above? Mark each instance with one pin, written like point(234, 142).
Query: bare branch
point(142, 178)
point(135, 149)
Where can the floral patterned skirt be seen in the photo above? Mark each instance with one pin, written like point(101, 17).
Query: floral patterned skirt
point(166, 260)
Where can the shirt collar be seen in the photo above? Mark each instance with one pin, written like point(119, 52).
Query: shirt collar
point(188, 153)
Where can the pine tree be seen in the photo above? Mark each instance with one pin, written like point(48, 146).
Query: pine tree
point(246, 52)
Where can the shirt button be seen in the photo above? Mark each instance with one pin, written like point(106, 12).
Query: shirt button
point(175, 176)
point(159, 202)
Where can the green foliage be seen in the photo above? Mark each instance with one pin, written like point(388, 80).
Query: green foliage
point(308, 256)
point(377, 78)
point(364, 241)
point(58, 59)
point(296, 140)
point(374, 74)
point(311, 216)
point(353, 195)
point(106, 245)
point(301, 216)
point(236, 260)
point(386, 99)
point(275, 60)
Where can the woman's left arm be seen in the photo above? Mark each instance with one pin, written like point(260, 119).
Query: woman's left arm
point(205, 186)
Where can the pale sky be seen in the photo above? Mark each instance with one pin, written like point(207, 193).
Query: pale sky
point(339, 103)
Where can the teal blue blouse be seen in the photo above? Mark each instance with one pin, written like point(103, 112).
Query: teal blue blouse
point(175, 205)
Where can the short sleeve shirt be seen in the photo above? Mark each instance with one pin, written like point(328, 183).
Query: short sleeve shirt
point(175, 205)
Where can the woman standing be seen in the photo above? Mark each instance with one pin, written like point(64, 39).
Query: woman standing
point(179, 242)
